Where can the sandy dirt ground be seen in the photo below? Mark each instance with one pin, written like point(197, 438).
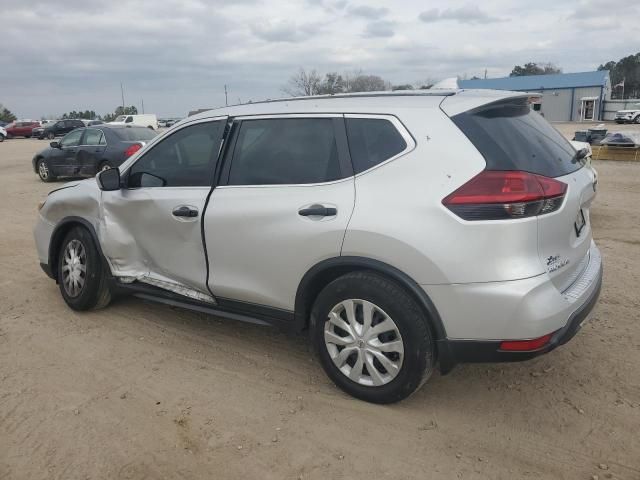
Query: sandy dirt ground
point(144, 391)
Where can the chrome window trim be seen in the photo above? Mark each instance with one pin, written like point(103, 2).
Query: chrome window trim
point(399, 126)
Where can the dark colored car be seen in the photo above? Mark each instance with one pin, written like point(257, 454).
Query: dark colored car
point(88, 150)
point(59, 128)
point(21, 129)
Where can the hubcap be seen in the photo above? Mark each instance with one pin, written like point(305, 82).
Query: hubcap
point(43, 170)
point(364, 342)
point(105, 167)
point(74, 268)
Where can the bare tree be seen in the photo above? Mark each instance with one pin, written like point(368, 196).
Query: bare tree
point(367, 83)
point(303, 84)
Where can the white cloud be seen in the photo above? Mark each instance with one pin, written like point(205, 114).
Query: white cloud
point(179, 54)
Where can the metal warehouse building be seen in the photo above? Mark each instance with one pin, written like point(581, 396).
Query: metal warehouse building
point(565, 97)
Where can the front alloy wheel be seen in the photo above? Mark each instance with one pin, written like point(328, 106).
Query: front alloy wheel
point(364, 342)
point(43, 171)
point(81, 272)
point(74, 268)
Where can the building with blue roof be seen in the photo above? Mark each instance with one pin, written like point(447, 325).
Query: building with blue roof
point(564, 97)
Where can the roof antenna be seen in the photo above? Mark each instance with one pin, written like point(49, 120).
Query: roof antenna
point(447, 84)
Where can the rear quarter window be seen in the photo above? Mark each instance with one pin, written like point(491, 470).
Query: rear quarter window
point(510, 136)
point(372, 141)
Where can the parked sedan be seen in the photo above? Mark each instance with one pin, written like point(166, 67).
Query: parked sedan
point(21, 129)
point(88, 150)
point(58, 129)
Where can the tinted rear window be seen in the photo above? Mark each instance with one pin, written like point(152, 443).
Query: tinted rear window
point(134, 134)
point(285, 151)
point(511, 136)
point(372, 141)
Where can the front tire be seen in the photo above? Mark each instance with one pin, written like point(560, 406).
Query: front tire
point(1, 138)
point(44, 172)
point(373, 340)
point(637, 119)
point(81, 273)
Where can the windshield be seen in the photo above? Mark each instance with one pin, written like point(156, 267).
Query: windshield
point(120, 118)
point(511, 136)
point(135, 134)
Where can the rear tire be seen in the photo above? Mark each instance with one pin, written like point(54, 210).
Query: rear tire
point(1, 138)
point(81, 272)
point(637, 119)
point(379, 365)
point(51, 135)
point(44, 172)
point(104, 166)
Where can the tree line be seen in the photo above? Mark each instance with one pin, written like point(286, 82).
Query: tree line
point(626, 71)
point(306, 83)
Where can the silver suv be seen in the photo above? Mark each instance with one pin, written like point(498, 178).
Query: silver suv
point(406, 231)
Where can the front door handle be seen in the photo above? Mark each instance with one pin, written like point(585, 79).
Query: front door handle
point(318, 211)
point(185, 212)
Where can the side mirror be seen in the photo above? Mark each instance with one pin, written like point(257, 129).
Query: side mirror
point(54, 144)
point(109, 180)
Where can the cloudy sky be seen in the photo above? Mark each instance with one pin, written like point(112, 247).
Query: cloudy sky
point(177, 55)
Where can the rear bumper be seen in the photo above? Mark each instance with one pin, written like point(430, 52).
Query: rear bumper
point(577, 302)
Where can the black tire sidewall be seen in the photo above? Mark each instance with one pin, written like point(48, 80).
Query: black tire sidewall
point(88, 297)
point(419, 348)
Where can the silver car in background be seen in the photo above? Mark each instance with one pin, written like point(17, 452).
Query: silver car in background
point(406, 231)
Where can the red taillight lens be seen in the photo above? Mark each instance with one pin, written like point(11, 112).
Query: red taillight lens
point(525, 345)
point(132, 149)
point(497, 195)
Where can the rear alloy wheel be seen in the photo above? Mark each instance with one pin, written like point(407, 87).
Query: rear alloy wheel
point(81, 272)
point(43, 171)
point(373, 340)
point(367, 352)
point(104, 166)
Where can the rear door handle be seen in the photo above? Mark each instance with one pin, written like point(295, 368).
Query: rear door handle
point(318, 211)
point(185, 212)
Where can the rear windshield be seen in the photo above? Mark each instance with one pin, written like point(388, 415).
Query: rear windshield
point(134, 134)
point(511, 136)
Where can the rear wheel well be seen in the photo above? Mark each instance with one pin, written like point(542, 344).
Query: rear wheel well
point(325, 272)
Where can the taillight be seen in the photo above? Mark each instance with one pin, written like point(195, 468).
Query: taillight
point(499, 195)
point(132, 149)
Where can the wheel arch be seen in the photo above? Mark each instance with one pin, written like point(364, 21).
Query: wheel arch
point(321, 274)
point(62, 228)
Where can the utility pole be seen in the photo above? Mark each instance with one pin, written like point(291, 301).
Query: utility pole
point(122, 93)
point(485, 73)
point(143, 105)
point(226, 101)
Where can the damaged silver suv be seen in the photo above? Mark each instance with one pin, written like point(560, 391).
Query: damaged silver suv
point(405, 231)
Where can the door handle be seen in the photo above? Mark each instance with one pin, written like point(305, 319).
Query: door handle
point(318, 211)
point(185, 212)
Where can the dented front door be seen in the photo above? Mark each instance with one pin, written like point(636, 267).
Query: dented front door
point(151, 228)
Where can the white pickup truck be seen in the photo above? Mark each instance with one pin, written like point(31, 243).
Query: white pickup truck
point(628, 116)
point(148, 120)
